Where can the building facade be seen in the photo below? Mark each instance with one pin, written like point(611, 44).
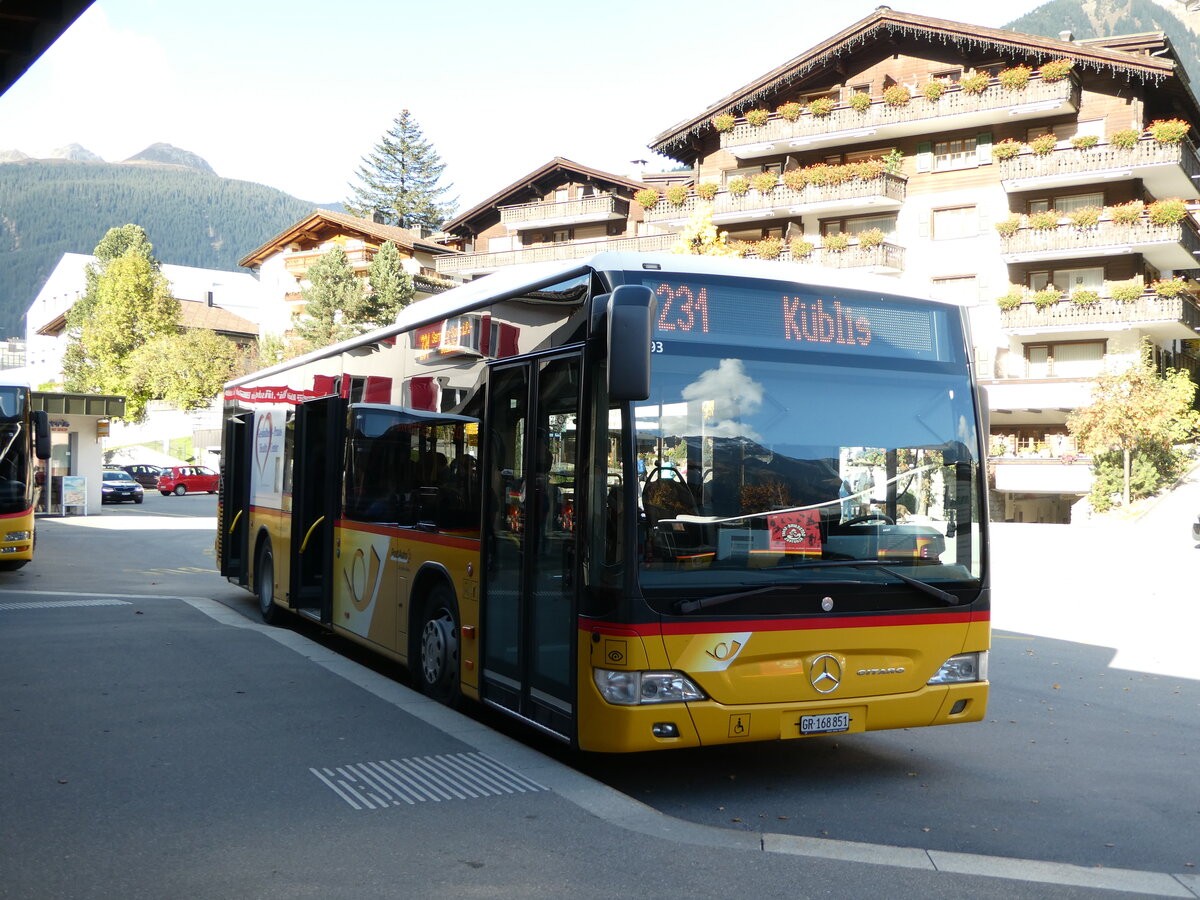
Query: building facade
point(1049, 185)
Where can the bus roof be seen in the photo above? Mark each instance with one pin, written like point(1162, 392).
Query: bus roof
point(513, 281)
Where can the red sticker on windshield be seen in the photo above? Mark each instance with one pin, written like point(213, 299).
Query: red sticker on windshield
point(796, 532)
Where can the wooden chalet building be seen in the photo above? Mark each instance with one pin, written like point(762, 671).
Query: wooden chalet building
point(561, 210)
point(282, 263)
point(1047, 184)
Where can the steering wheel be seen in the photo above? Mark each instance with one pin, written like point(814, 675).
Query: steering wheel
point(868, 517)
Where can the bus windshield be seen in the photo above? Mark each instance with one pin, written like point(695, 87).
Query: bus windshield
point(766, 474)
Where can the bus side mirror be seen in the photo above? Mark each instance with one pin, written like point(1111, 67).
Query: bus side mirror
point(630, 319)
point(41, 434)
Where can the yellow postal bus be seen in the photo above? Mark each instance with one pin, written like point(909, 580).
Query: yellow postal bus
point(636, 501)
point(24, 436)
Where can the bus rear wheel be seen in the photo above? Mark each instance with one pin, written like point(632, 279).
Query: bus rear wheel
point(264, 585)
point(436, 668)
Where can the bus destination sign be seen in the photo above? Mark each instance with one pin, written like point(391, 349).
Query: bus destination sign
point(787, 314)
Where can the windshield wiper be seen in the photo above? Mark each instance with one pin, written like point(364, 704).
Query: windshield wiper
point(945, 596)
point(690, 606)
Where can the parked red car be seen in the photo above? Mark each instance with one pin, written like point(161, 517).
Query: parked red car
point(179, 480)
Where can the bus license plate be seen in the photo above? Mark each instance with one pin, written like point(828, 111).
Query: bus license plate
point(829, 723)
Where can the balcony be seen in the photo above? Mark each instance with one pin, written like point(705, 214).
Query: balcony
point(883, 193)
point(882, 259)
point(1166, 170)
point(481, 263)
point(1065, 475)
point(298, 262)
point(955, 109)
point(1163, 246)
point(604, 208)
point(1166, 318)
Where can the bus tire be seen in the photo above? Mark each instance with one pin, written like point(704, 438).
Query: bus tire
point(264, 584)
point(436, 659)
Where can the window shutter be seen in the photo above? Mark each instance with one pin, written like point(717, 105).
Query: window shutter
point(925, 156)
point(924, 224)
point(983, 148)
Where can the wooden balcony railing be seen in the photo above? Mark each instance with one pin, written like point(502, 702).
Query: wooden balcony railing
point(887, 186)
point(1067, 237)
point(1146, 309)
point(600, 207)
point(471, 262)
point(884, 256)
point(1068, 160)
point(954, 101)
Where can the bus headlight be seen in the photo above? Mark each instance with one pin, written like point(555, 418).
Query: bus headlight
point(965, 667)
point(17, 536)
point(633, 688)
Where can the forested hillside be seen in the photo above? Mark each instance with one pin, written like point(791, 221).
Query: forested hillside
point(50, 207)
point(1107, 18)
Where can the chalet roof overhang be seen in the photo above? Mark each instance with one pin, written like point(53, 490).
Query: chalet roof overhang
point(323, 224)
point(885, 24)
point(484, 215)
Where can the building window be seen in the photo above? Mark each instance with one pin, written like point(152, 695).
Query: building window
point(955, 222)
point(862, 88)
point(1066, 204)
point(855, 224)
point(957, 154)
point(1089, 279)
point(1067, 130)
point(1065, 359)
point(960, 289)
point(562, 235)
point(950, 75)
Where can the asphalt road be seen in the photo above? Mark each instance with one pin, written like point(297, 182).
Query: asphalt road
point(154, 746)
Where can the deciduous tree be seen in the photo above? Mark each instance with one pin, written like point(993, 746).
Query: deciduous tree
point(187, 369)
point(700, 237)
point(1136, 409)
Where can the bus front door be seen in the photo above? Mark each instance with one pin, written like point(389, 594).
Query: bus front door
point(316, 482)
point(531, 547)
point(236, 462)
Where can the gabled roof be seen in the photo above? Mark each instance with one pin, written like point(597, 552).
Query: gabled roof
point(195, 314)
point(885, 23)
point(324, 223)
point(554, 167)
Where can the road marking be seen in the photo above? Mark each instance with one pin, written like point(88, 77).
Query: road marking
point(55, 604)
point(419, 779)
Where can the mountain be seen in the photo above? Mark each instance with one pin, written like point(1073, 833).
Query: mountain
point(1108, 18)
point(165, 154)
point(76, 152)
point(49, 207)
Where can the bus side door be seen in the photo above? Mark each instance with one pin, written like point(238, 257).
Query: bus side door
point(236, 456)
point(320, 429)
point(531, 544)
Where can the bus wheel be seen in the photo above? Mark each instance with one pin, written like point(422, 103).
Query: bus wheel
point(436, 670)
point(264, 584)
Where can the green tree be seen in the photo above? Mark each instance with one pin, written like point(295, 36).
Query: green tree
point(187, 369)
point(333, 303)
point(131, 304)
point(1136, 410)
point(400, 180)
point(391, 286)
point(116, 243)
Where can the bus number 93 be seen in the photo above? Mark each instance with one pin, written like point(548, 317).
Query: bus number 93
point(656, 347)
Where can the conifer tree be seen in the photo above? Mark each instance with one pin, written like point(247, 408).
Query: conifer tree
point(400, 180)
point(333, 303)
point(391, 286)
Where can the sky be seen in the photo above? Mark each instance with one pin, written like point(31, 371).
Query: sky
point(294, 93)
